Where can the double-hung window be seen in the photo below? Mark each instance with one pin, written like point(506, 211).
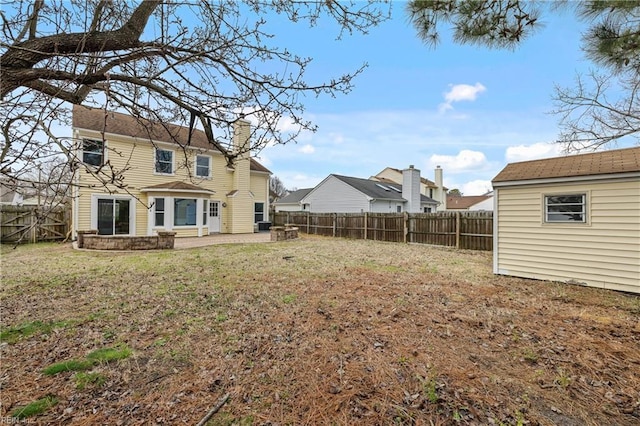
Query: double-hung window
point(159, 212)
point(203, 166)
point(259, 212)
point(93, 152)
point(205, 212)
point(164, 161)
point(565, 208)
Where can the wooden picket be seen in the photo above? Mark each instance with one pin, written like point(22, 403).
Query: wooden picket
point(29, 224)
point(461, 229)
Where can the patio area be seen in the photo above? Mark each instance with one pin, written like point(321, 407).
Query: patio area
point(209, 240)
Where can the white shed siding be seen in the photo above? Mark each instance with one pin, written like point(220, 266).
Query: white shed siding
point(486, 205)
point(289, 207)
point(385, 206)
point(604, 252)
point(334, 196)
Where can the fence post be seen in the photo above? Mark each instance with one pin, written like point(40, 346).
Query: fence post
point(308, 222)
point(33, 219)
point(335, 222)
point(366, 220)
point(457, 229)
point(405, 226)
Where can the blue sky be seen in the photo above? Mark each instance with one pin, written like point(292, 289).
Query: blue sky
point(469, 109)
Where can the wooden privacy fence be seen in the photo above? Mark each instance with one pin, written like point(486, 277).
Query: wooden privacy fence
point(30, 224)
point(463, 229)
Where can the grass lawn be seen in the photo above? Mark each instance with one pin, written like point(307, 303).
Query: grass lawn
point(312, 331)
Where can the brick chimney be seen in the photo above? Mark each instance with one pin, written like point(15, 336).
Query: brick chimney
point(411, 189)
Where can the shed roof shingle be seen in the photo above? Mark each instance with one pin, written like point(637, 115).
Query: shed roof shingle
point(596, 163)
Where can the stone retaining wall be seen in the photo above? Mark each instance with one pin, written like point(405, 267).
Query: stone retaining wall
point(91, 241)
point(283, 233)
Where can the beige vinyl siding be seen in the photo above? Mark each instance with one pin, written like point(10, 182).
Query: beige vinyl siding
point(603, 252)
point(138, 158)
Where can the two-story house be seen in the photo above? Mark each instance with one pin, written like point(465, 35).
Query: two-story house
point(434, 190)
point(172, 181)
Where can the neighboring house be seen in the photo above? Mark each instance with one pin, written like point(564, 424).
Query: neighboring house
point(434, 190)
point(32, 193)
point(573, 219)
point(170, 186)
point(292, 202)
point(470, 202)
point(344, 194)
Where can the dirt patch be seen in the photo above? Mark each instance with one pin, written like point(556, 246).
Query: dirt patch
point(315, 331)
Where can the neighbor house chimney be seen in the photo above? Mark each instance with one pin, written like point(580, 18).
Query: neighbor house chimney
point(411, 189)
point(439, 195)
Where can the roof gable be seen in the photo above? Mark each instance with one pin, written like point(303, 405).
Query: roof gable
point(591, 164)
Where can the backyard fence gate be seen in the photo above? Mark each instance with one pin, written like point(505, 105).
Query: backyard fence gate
point(30, 224)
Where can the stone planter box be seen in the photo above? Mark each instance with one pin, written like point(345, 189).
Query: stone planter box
point(81, 235)
point(164, 240)
point(283, 233)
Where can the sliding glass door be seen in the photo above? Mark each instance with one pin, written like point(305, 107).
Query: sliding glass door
point(113, 216)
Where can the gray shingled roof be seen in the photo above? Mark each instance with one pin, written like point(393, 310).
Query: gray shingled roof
point(373, 189)
point(294, 197)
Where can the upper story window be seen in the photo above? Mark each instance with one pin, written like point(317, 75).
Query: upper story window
point(203, 166)
point(164, 161)
point(565, 208)
point(93, 152)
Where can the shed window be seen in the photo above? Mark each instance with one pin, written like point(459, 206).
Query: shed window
point(565, 208)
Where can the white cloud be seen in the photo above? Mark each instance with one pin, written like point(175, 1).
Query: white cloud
point(466, 160)
point(532, 152)
point(307, 149)
point(476, 187)
point(460, 92)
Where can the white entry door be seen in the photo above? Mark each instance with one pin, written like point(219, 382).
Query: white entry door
point(214, 217)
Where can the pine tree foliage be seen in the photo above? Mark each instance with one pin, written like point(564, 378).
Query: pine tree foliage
point(604, 105)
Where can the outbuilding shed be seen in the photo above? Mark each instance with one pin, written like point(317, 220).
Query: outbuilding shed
point(573, 219)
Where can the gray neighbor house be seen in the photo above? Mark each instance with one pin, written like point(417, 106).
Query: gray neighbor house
point(345, 194)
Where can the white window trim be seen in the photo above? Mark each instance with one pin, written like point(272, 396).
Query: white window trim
point(195, 163)
point(104, 151)
point(132, 210)
point(569, 223)
point(152, 215)
point(169, 215)
point(173, 161)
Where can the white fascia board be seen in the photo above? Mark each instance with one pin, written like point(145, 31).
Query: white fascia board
point(611, 176)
